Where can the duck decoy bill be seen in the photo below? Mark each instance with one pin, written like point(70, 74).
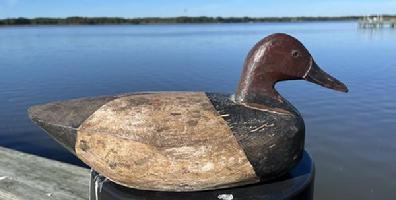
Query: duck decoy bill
point(316, 75)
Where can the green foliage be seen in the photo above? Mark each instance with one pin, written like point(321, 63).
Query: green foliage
point(170, 20)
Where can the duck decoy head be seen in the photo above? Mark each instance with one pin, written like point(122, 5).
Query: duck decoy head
point(280, 57)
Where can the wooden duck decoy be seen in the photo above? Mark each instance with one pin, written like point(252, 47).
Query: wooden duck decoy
point(190, 141)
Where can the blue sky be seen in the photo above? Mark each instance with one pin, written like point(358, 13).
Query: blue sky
point(166, 8)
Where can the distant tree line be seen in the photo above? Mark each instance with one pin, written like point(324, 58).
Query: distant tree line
point(167, 20)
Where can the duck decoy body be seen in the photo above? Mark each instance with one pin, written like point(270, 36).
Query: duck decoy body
point(190, 141)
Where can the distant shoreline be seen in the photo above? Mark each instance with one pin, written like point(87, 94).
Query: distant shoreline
point(167, 20)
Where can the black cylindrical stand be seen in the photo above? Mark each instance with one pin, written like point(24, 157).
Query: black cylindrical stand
point(296, 185)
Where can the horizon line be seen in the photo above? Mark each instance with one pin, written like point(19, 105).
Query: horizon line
point(180, 16)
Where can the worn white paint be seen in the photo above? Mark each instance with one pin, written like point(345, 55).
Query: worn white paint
point(309, 69)
point(265, 110)
point(260, 52)
point(251, 69)
point(207, 167)
point(226, 197)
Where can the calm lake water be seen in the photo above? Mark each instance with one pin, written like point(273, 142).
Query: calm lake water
point(350, 136)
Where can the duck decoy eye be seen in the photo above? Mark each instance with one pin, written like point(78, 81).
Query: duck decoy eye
point(295, 53)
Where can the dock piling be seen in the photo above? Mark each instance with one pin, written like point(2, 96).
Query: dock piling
point(376, 22)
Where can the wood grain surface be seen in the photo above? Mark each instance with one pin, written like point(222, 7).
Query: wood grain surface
point(29, 177)
point(163, 141)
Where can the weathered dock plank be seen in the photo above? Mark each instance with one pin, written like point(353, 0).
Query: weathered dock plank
point(24, 176)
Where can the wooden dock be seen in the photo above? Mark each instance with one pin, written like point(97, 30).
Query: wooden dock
point(24, 176)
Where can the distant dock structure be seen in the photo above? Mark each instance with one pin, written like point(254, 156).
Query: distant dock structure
point(377, 21)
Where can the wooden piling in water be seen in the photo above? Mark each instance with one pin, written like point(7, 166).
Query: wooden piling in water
point(393, 24)
point(24, 176)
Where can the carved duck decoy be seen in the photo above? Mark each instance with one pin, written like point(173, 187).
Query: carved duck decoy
point(190, 141)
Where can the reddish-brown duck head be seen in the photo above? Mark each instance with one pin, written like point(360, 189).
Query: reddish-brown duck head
point(279, 57)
